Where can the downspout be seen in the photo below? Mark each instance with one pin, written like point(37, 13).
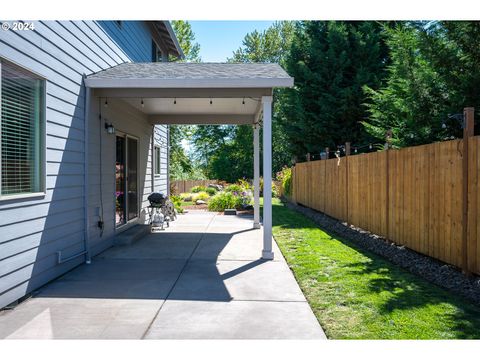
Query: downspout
point(86, 251)
point(85, 173)
point(168, 160)
point(153, 160)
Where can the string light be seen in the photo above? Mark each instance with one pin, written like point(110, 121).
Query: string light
point(106, 102)
point(211, 102)
point(143, 104)
point(175, 101)
point(243, 101)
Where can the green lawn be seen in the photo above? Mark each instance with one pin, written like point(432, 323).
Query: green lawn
point(358, 295)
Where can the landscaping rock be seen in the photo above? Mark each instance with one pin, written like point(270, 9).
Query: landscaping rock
point(435, 271)
point(216, 187)
point(200, 202)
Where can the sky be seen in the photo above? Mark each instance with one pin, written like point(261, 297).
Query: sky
point(219, 39)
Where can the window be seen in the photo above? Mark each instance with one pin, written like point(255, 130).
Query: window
point(22, 131)
point(157, 160)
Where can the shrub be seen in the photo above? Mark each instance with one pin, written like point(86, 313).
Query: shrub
point(285, 177)
point(234, 188)
point(197, 189)
point(223, 200)
point(186, 196)
point(211, 191)
point(229, 200)
point(177, 203)
point(245, 184)
point(202, 195)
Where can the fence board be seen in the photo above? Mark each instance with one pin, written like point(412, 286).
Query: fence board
point(183, 186)
point(424, 196)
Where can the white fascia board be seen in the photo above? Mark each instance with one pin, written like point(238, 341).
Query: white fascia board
point(188, 83)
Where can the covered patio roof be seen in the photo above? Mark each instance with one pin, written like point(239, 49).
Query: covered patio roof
point(192, 93)
point(204, 93)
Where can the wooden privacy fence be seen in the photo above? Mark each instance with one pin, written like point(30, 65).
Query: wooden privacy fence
point(417, 196)
point(183, 186)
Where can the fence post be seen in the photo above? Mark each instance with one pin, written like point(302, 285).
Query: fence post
point(347, 154)
point(468, 131)
point(388, 145)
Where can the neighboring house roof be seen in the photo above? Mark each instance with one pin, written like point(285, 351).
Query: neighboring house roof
point(202, 75)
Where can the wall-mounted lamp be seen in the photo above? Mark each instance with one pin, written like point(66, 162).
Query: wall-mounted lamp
point(211, 102)
point(106, 102)
point(175, 101)
point(142, 103)
point(110, 128)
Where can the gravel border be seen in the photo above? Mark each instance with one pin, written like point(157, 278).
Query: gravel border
point(435, 271)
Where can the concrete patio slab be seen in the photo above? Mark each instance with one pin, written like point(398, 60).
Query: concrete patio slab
point(235, 320)
point(241, 243)
point(52, 318)
point(177, 245)
point(202, 278)
point(117, 279)
point(237, 280)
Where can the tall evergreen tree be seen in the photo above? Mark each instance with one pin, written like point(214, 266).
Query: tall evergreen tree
point(331, 63)
point(435, 71)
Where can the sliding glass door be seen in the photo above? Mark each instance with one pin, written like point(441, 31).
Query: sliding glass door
point(132, 185)
point(126, 179)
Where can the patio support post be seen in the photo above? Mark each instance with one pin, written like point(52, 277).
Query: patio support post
point(256, 176)
point(267, 252)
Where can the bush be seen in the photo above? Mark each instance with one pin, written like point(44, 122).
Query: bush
point(223, 200)
point(197, 189)
point(285, 177)
point(245, 184)
point(211, 191)
point(177, 203)
point(202, 195)
point(234, 188)
point(186, 196)
point(229, 200)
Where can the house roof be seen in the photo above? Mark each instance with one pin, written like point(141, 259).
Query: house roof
point(168, 38)
point(191, 75)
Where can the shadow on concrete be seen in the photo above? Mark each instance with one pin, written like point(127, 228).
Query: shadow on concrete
point(176, 265)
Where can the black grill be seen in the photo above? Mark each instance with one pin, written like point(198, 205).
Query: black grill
point(157, 199)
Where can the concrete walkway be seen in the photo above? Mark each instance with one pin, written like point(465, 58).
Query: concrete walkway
point(200, 279)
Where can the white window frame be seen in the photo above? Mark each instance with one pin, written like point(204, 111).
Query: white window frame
point(43, 139)
point(157, 170)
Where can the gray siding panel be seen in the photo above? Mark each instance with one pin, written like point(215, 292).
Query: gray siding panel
point(32, 230)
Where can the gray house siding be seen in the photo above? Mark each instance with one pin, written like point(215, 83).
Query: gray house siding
point(33, 230)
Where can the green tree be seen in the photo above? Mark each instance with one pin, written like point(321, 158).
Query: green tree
point(181, 166)
point(270, 45)
point(331, 62)
point(434, 72)
point(186, 39)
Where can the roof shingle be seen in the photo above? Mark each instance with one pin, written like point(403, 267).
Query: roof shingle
point(190, 71)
